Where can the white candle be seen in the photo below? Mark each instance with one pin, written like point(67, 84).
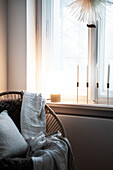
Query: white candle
point(87, 79)
point(97, 74)
point(108, 75)
point(77, 73)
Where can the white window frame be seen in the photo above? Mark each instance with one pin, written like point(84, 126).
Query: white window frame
point(94, 50)
point(101, 60)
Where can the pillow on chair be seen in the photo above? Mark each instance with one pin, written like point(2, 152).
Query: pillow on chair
point(12, 143)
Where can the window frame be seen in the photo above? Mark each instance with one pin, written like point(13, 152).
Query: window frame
point(94, 52)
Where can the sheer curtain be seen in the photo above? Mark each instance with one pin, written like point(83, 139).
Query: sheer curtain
point(64, 46)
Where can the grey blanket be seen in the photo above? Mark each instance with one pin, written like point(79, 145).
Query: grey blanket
point(51, 153)
point(47, 152)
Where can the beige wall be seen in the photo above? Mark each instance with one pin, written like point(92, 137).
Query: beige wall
point(21, 45)
point(16, 44)
point(3, 46)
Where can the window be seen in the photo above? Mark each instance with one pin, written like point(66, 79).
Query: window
point(106, 51)
point(63, 44)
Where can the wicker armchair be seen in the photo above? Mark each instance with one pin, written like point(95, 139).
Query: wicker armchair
point(53, 124)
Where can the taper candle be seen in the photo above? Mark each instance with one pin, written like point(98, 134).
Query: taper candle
point(97, 74)
point(87, 80)
point(77, 73)
point(108, 75)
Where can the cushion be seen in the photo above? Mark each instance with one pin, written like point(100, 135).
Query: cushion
point(12, 143)
point(13, 106)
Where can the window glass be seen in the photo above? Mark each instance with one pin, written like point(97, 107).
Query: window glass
point(64, 47)
point(106, 48)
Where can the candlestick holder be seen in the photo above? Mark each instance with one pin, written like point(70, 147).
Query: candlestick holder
point(97, 87)
point(107, 93)
point(77, 90)
point(87, 86)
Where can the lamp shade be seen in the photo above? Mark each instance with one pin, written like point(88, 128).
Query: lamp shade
point(88, 10)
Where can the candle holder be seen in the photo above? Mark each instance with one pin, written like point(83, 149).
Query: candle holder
point(55, 97)
point(77, 81)
point(107, 93)
point(97, 87)
point(77, 90)
point(87, 86)
point(108, 78)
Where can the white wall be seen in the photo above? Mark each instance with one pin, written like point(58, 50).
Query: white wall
point(31, 45)
point(16, 44)
point(3, 46)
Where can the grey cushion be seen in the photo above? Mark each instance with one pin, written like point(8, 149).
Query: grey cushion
point(12, 143)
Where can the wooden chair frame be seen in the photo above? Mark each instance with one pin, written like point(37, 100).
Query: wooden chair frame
point(53, 123)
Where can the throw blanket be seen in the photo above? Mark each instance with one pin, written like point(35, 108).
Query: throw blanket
point(51, 152)
point(48, 153)
point(33, 119)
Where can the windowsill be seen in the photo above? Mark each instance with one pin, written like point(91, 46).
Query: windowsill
point(93, 110)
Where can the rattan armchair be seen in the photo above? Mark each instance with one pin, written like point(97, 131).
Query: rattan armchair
point(53, 124)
